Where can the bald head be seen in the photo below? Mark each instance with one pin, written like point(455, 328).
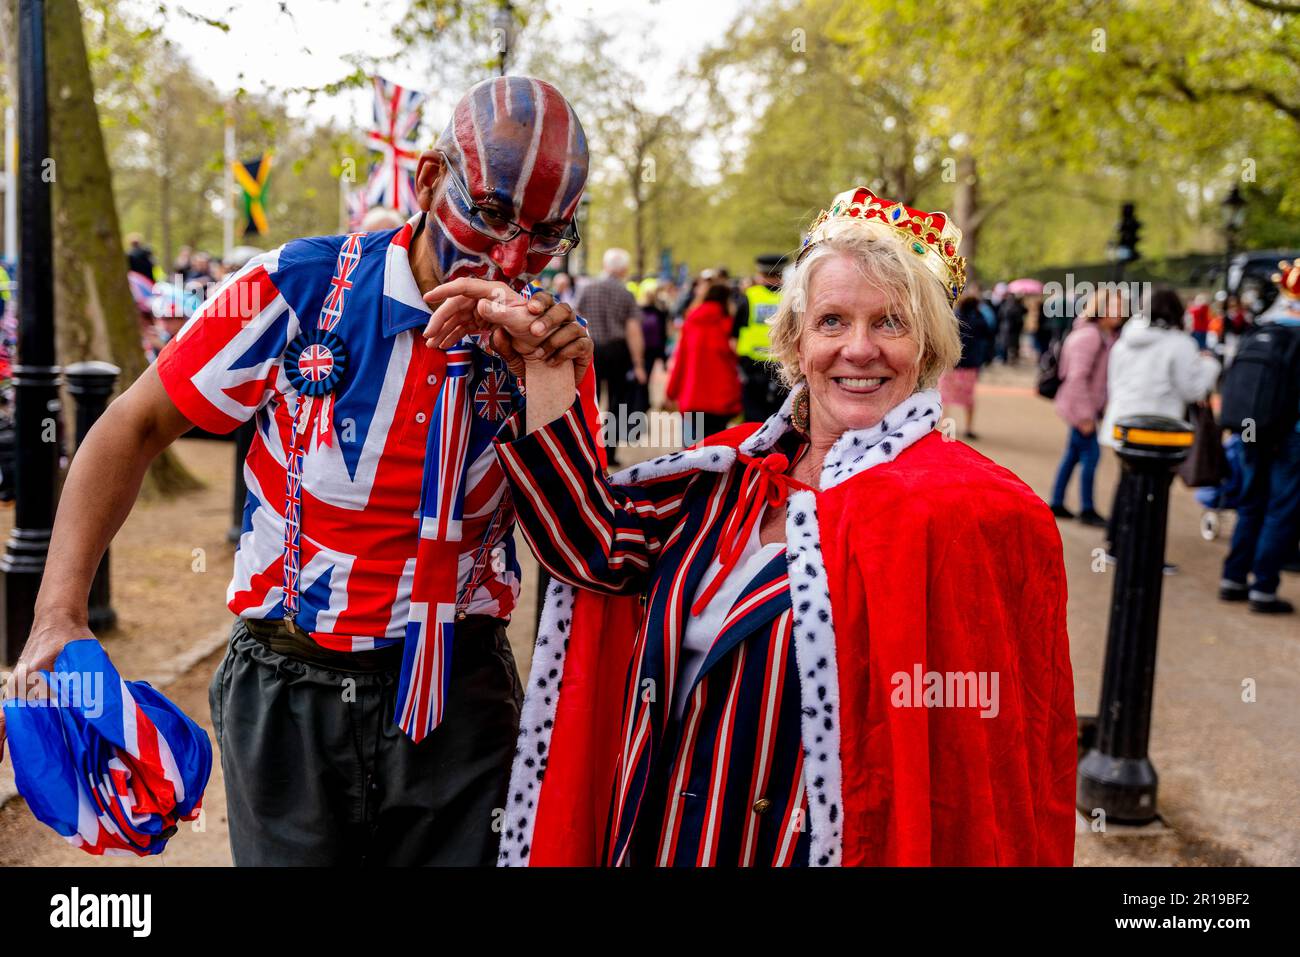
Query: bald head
point(516, 138)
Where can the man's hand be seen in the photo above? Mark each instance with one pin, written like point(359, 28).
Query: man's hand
point(46, 641)
point(456, 310)
point(536, 329)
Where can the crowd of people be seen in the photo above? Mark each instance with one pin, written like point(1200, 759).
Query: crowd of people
point(1159, 357)
point(164, 298)
point(1109, 355)
point(709, 335)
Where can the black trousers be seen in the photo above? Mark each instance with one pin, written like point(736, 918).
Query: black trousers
point(761, 391)
point(317, 773)
point(613, 366)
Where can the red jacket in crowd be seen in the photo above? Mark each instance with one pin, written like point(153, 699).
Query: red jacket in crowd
point(705, 376)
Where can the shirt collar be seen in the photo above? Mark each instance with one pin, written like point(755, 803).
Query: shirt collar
point(404, 307)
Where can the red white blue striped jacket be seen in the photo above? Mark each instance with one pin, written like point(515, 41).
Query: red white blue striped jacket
point(722, 785)
point(360, 494)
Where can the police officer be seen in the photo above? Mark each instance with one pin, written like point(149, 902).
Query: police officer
point(762, 392)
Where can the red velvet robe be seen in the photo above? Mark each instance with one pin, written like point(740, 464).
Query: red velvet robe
point(939, 561)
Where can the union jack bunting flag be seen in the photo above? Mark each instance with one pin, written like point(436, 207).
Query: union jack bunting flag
point(356, 203)
point(111, 765)
point(397, 119)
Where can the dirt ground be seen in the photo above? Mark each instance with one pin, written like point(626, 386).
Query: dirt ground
point(1228, 776)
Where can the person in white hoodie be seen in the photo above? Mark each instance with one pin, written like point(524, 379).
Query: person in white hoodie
point(1156, 368)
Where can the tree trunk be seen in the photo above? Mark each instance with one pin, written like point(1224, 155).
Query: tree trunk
point(95, 315)
point(966, 209)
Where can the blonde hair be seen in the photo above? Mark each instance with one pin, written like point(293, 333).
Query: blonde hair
point(912, 291)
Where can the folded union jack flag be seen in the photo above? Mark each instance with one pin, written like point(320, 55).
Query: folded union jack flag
point(111, 765)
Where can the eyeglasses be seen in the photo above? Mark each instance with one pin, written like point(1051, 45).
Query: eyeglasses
point(492, 224)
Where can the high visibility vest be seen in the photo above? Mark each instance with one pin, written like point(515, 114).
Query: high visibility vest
point(755, 340)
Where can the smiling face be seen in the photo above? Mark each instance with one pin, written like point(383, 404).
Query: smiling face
point(517, 147)
point(855, 351)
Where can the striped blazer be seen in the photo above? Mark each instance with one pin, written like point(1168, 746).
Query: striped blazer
point(724, 784)
point(881, 560)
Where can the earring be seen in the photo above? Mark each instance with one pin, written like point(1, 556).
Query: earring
point(799, 412)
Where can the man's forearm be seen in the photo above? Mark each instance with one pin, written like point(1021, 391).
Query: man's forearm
point(101, 487)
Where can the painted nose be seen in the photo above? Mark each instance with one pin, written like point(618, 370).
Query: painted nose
point(512, 257)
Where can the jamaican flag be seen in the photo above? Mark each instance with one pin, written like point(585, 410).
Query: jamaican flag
point(251, 176)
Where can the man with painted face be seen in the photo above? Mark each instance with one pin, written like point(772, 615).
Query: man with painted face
point(368, 705)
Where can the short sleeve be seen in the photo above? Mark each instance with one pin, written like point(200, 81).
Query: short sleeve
point(222, 366)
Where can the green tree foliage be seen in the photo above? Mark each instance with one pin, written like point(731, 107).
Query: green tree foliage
point(642, 167)
point(1040, 117)
point(164, 124)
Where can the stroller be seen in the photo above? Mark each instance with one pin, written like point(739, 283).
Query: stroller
point(1227, 494)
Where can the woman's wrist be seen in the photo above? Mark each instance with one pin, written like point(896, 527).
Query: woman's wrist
point(550, 391)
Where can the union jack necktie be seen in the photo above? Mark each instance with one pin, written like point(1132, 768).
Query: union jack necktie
point(426, 653)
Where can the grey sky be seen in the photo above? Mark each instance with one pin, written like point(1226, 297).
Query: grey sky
point(267, 48)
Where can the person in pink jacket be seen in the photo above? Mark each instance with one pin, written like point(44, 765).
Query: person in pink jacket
point(1081, 399)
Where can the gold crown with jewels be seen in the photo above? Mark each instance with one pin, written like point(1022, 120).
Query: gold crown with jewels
point(931, 236)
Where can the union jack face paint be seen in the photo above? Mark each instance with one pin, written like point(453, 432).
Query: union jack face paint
point(518, 145)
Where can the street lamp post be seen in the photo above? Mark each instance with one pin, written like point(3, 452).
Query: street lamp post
point(1234, 217)
point(503, 33)
point(35, 376)
point(584, 214)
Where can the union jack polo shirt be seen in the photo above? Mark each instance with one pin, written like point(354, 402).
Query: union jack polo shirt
point(360, 491)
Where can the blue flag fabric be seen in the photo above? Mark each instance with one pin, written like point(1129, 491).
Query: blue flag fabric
point(111, 765)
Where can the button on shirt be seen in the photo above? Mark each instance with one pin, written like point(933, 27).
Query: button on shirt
point(360, 493)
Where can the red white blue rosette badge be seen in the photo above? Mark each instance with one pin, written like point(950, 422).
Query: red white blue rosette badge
point(315, 362)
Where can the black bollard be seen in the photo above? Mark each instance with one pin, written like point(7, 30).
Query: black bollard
point(90, 384)
point(243, 442)
point(35, 375)
point(1116, 776)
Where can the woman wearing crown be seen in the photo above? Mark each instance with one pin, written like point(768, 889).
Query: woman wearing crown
point(835, 638)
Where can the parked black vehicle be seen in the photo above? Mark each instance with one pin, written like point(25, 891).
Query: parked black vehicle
point(1250, 276)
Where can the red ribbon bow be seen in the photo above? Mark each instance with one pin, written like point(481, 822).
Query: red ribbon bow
point(764, 481)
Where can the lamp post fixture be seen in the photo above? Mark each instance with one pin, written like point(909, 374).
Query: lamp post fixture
point(1234, 218)
point(584, 214)
point(35, 375)
point(503, 33)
